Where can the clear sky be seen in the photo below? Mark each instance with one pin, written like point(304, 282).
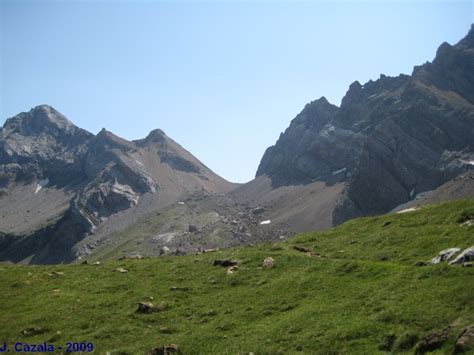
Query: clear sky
point(222, 78)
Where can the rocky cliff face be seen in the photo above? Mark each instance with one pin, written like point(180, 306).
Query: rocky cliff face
point(60, 184)
point(390, 139)
point(42, 143)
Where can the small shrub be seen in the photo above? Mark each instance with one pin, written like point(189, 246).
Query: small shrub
point(406, 342)
point(387, 343)
point(465, 216)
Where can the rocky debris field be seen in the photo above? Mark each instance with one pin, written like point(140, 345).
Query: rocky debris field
point(199, 223)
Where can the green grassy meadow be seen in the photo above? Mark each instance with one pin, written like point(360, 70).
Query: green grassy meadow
point(363, 292)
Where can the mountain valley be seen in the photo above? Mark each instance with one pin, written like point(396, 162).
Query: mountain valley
point(67, 194)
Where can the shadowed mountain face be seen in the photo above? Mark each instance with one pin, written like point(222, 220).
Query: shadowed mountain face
point(60, 183)
point(390, 139)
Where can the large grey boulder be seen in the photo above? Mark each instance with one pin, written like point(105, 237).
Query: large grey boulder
point(465, 256)
point(444, 255)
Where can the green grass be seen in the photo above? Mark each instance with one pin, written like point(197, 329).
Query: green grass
point(364, 289)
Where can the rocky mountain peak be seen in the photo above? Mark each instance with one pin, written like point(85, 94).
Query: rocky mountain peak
point(79, 181)
point(48, 115)
point(108, 139)
point(443, 49)
point(468, 41)
point(43, 142)
point(390, 139)
point(40, 119)
point(315, 113)
point(353, 94)
point(452, 70)
point(155, 136)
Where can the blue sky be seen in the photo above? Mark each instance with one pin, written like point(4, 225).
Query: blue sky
point(222, 78)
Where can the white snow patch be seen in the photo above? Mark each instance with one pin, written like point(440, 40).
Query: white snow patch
point(412, 192)
point(265, 222)
point(139, 163)
point(339, 171)
point(165, 237)
point(411, 209)
point(41, 184)
point(181, 203)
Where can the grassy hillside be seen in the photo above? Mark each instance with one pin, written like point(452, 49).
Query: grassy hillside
point(363, 295)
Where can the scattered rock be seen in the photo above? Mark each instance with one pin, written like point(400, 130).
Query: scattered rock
point(33, 331)
point(421, 263)
point(307, 251)
point(136, 257)
point(164, 350)
point(301, 249)
point(232, 270)
point(165, 330)
point(444, 255)
point(465, 340)
point(258, 210)
point(122, 270)
point(57, 273)
point(145, 307)
point(225, 262)
point(353, 242)
point(97, 263)
point(242, 229)
point(466, 265)
point(269, 262)
point(192, 228)
point(176, 288)
point(148, 307)
point(465, 256)
point(210, 250)
point(165, 250)
point(432, 341)
point(386, 223)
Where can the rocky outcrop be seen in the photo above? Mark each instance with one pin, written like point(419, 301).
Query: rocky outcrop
point(465, 256)
point(389, 140)
point(291, 160)
point(42, 144)
point(444, 255)
point(465, 341)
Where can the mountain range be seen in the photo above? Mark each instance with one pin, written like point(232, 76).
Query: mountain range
point(67, 194)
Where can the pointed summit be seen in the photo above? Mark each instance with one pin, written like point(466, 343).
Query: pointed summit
point(157, 135)
point(107, 138)
point(49, 114)
point(468, 41)
point(42, 119)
